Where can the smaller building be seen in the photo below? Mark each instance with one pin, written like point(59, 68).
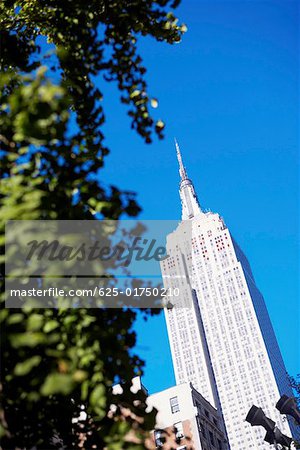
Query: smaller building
point(186, 421)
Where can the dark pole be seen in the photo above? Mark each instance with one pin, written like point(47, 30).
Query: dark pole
point(256, 417)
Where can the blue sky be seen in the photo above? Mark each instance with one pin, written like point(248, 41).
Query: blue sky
point(229, 93)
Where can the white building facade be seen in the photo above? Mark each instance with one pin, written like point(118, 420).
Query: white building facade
point(220, 334)
point(185, 420)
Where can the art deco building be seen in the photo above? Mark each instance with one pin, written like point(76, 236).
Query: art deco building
point(220, 334)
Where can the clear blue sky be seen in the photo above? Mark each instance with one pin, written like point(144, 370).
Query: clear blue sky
point(229, 93)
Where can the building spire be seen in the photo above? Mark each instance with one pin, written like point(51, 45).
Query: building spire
point(189, 200)
point(182, 171)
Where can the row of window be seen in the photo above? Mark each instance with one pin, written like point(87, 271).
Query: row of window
point(208, 435)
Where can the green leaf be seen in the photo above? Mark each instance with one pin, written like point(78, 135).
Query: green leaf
point(28, 339)
point(23, 368)
point(80, 375)
point(98, 399)
point(135, 93)
point(88, 320)
point(58, 383)
point(154, 103)
point(160, 124)
point(51, 325)
point(84, 390)
point(35, 322)
point(15, 318)
point(2, 431)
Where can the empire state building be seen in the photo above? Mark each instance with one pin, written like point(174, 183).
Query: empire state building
point(220, 333)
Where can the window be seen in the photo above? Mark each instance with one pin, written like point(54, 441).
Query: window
point(211, 438)
point(220, 445)
point(202, 428)
point(159, 439)
point(178, 429)
point(174, 405)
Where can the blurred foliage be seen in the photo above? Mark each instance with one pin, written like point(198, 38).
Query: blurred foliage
point(55, 55)
point(295, 384)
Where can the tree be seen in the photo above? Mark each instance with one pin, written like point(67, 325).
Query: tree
point(56, 360)
point(295, 384)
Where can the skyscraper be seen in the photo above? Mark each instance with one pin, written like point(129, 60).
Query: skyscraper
point(220, 334)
